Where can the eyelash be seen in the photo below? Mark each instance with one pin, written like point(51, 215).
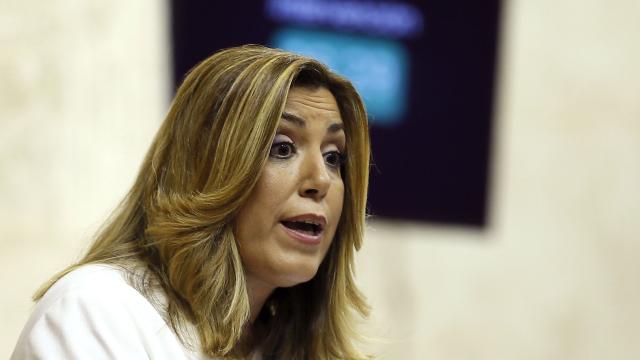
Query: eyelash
point(341, 158)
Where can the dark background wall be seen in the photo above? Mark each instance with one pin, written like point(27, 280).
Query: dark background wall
point(431, 157)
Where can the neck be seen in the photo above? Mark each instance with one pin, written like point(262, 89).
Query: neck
point(258, 292)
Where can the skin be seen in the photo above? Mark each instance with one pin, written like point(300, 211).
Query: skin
point(301, 176)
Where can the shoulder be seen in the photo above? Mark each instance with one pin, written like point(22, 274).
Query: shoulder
point(90, 291)
point(89, 281)
point(94, 311)
point(98, 283)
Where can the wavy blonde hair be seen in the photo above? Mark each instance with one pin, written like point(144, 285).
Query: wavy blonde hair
point(177, 219)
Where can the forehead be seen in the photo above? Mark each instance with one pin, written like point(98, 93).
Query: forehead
point(313, 103)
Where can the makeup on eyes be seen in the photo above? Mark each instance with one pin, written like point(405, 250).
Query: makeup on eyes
point(334, 134)
point(283, 147)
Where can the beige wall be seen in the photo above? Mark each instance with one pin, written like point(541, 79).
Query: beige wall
point(555, 276)
point(84, 87)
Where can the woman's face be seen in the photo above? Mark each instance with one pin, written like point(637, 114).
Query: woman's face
point(285, 228)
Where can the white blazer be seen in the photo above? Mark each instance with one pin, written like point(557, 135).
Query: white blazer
point(93, 313)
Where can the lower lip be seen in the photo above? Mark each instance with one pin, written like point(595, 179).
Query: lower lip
point(303, 237)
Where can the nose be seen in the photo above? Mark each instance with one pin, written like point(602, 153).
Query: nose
point(316, 179)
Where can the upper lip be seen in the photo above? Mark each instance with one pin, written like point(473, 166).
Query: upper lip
point(316, 219)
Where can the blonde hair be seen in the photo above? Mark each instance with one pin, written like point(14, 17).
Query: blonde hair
point(177, 219)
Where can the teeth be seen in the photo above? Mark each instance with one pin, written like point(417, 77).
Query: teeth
point(304, 226)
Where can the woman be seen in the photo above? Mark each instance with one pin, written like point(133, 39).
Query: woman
point(237, 239)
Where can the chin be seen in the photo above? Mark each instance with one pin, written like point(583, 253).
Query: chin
point(300, 274)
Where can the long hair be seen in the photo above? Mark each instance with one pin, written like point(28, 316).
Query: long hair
point(177, 219)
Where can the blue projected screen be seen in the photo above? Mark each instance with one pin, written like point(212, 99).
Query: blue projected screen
point(425, 70)
point(378, 68)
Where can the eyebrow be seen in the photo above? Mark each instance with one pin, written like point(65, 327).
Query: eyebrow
point(300, 122)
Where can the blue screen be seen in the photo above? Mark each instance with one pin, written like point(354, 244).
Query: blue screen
point(378, 68)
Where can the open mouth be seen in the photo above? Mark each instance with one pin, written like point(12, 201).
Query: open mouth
point(306, 227)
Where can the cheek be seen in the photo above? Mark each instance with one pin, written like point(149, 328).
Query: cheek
point(259, 214)
point(250, 227)
point(264, 197)
point(249, 219)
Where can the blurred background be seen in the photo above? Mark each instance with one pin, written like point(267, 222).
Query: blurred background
point(509, 227)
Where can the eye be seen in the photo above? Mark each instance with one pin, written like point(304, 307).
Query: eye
point(334, 159)
point(282, 150)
